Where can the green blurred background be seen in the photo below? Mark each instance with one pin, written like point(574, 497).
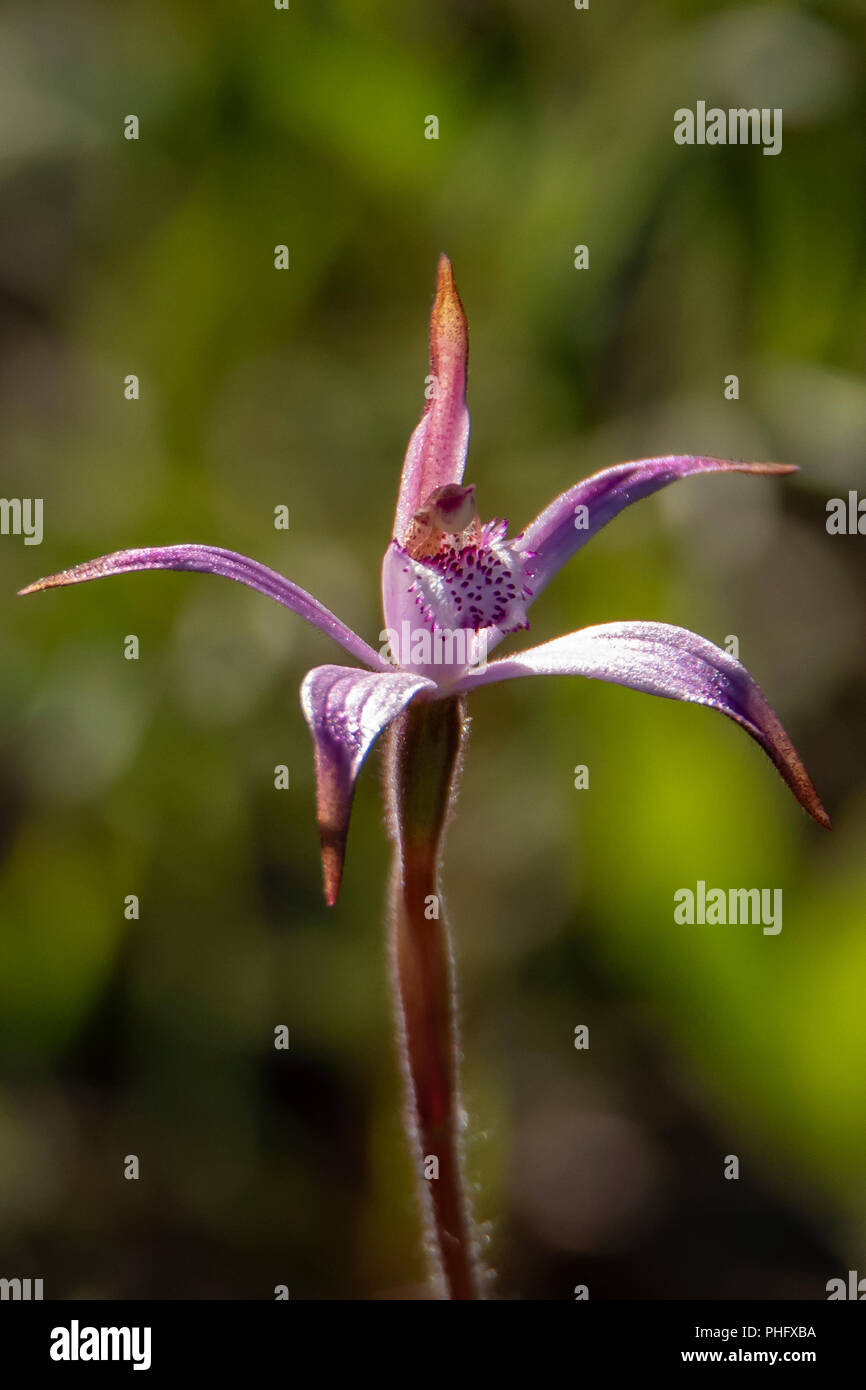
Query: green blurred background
point(261, 388)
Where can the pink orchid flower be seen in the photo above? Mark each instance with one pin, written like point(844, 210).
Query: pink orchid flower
point(452, 589)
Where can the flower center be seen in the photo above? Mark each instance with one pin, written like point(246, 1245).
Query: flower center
point(447, 520)
point(463, 575)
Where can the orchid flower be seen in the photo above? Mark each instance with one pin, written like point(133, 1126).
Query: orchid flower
point(452, 589)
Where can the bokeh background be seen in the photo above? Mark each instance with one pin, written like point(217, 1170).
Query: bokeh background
point(261, 388)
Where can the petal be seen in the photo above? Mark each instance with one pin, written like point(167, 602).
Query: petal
point(452, 608)
point(674, 663)
point(209, 559)
point(560, 530)
point(346, 710)
point(437, 449)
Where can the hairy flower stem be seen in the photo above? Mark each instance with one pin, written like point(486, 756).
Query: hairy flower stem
point(422, 768)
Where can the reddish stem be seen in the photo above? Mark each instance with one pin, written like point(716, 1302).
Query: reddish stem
point(423, 762)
